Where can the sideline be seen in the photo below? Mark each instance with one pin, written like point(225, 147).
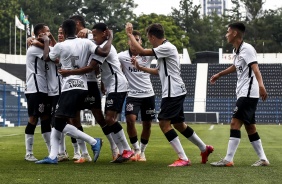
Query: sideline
point(211, 127)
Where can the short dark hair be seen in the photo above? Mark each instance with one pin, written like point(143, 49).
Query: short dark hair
point(69, 27)
point(238, 25)
point(100, 26)
point(136, 33)
point(78, 18)
point(156, 29)
point(38, 28)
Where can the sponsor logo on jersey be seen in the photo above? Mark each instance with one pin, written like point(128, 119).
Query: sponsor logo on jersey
point(76, 83)
point(133, 69)
point(90, 99)
point(110, 102)
point(129, 107)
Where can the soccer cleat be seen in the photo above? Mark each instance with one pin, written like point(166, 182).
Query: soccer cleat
point(76, 156)
point(142, 157)
point(205, 155)
point(261, 163)
point(115, 153)
point(222, 163)
point(96, 148)
point(127, 154)
point(119, 159)
point(47, 160)
point(136, 156)
point(180, 163)
point(30, 157)
point(84, 158)
point(63, 157)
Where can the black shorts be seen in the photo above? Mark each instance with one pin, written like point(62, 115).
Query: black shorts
point(245, 110)
point(114, 101)
point(93, 98)
point(53, 100)
point(37, 104)
point(172, 109)
point(70, 102)
point(147, 106)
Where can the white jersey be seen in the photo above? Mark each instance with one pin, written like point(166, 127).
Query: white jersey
point(91, 76)
point(169, 70)
point(35, 71)
point(73, 53)
point(247, 84)
point(53, 79)
point(140, 85)
point(111, 73)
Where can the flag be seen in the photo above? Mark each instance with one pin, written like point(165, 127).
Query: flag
point(18, 23)
point(23, 17)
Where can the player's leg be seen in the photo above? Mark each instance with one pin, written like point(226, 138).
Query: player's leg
point(114, 103)
point(147, 115)
point(85, 157)
point(96, 108)
point(253, 135)
point(132, 108)
point(170, 109)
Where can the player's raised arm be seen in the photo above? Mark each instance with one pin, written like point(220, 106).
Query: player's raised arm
point(105, 50)
point(135, 44)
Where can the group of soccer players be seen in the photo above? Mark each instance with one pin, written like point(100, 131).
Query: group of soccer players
point(61, 81)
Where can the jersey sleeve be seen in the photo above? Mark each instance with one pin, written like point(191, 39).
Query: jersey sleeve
point(249, 54)
point(162, 51)
point(97, 58)
point(92, 47)
point(55, 52)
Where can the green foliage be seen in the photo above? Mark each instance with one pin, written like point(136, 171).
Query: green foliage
point(113, 13)
point(159, 154)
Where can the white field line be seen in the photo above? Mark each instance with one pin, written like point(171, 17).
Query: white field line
point(211, 127)
point(10, 135)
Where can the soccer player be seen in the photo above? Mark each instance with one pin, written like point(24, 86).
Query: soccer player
point(36, 93)
point(116, 87)
point(141, 97)
point(72, 53)
point(173, 91)
point(93, 99)
point(249, 88)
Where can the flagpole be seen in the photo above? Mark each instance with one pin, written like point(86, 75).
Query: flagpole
point(21, 46)
point(10, 42)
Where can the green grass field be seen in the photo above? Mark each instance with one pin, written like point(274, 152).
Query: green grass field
point(159, 154)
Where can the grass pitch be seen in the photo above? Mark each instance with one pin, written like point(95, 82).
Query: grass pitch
point(159, 154)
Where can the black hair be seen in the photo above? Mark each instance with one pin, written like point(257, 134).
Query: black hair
point(238, 25)
point(136, 33)
point(156, 29)
point(100, 26)
point(69, 27)
point(38, 28)
point(78, 18)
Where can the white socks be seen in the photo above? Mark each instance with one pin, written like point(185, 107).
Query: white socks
point(232, 147)
point(77, 134)
point(55, 141)
point(29, 139)
point(175, 143)
point(62, 146)
point(257, 145)
point(46, 137)
point(198, 142)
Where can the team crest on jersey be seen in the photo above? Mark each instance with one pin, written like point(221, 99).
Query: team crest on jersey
point(144, 60)
point(129, 107)
point(41, 108)
point(235, 110)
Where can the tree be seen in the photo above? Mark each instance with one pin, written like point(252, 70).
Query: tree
point(253, 8)
point(114, 13)
point(173, 33)
point(8, 10)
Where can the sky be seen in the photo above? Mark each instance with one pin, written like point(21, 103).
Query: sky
point(164, 6)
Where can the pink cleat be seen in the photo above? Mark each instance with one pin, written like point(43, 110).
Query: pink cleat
point(127, 154)
point(205, 155)
point(180, 163)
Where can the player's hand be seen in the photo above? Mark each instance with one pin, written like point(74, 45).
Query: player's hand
point(128, 28)
point(262, 93)
point(82, 33)
point(109, 33)
point(29, 41)
point(64, 73)
point(214, 78)
point(134, 62)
